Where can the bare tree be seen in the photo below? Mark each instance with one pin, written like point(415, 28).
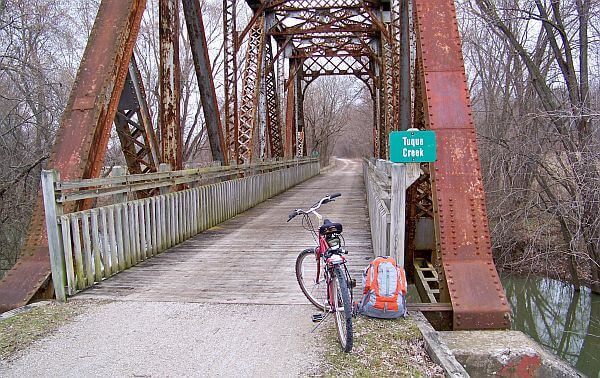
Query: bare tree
point(327, 108)
point(38, 51)
point(538, 122)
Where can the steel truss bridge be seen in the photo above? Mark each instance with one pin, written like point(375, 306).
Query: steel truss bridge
point(407, 52)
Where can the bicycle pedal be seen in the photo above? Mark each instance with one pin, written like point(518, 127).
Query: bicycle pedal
point(316, 318)
point(352, 283)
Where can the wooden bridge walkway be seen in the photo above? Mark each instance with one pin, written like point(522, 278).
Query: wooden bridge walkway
point(250, 258)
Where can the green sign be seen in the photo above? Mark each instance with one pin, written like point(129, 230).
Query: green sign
point(412, 146)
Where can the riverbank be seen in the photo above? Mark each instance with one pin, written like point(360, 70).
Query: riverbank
point(554, 265)
point(564, 320)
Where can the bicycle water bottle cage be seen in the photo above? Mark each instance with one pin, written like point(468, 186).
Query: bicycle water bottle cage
point(329, 228)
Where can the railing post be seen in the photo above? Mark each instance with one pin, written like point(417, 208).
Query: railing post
point(119, 171)
point(403, 176)
point(164, 167)
point(398, 213)
point(52, 211)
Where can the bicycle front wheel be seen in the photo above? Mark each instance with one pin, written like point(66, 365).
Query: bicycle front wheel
point(343, 309)
point(313, 284)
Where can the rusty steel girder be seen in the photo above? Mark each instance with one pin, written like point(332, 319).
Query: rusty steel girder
point(248, 111)
point(204, 76)
point(230, 68)
point(389, 92)
point(83, 134)
point(461, 227)
point(171, 137)
point(290, 115)
point(402, 62)
point(134, 125)
point(273, 109)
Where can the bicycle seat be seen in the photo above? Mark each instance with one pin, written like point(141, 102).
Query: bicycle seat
point(329, 227)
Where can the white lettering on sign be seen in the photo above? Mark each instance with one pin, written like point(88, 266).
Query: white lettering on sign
point(412, 153)
point(412, 142)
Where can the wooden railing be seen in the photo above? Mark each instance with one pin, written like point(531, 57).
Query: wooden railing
point(89, 246)
point(386, 185)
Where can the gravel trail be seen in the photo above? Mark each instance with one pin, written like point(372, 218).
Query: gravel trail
point(166, 339)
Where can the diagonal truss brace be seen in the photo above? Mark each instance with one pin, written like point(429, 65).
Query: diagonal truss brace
point(274, 123)
point(134, 125)
point(248, 111)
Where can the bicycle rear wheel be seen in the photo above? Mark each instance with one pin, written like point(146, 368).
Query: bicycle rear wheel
point(343, 309)
point(306, 274)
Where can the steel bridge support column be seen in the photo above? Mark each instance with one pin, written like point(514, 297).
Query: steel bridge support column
point(387, 93)
point(170, 84)
point(404, 87)
point(273, 115)
point(260, 145)
point(208, 96)
point(82, 137)
point(249, 115)
point(461, 227)
point(281, 95)
point(290, 113)
point(300, 146)
point(230, 74)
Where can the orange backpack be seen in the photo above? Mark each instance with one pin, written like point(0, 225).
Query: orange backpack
point(384, 289)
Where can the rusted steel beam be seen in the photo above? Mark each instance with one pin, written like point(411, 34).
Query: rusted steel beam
point(274, 123)
point(170, 84)
point(300, 147)
point(387, 57)
point(461, 226)
point(403, 82)
point(82, 137)
point(290, 114)
point(208, 96)
point(366, 30)
point(248, 118)
point(230, 73)
point(258, 13)
point(134, 125)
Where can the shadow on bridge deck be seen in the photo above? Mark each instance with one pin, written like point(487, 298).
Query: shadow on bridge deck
point(250, 259)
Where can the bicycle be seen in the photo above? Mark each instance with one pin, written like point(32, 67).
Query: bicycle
point(322, 273)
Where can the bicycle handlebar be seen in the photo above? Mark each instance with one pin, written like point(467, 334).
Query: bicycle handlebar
point(324, 200)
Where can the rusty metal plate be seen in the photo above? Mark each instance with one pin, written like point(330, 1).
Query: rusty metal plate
point(447, 93)
point(23, 280)
point(477, 296)
point(478, 299)
point(440, 43)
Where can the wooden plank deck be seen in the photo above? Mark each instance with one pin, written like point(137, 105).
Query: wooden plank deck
point(250, 259)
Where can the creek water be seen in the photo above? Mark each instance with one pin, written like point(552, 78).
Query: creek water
point(565, 321)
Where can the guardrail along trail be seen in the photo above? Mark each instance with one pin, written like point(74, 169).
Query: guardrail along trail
point(223, 302)
point(250, 258)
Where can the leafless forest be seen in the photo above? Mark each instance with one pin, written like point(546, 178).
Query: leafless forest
point(533, 67)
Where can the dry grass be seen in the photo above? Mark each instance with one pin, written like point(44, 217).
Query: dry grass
point(20, 331)
point(382, 348)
